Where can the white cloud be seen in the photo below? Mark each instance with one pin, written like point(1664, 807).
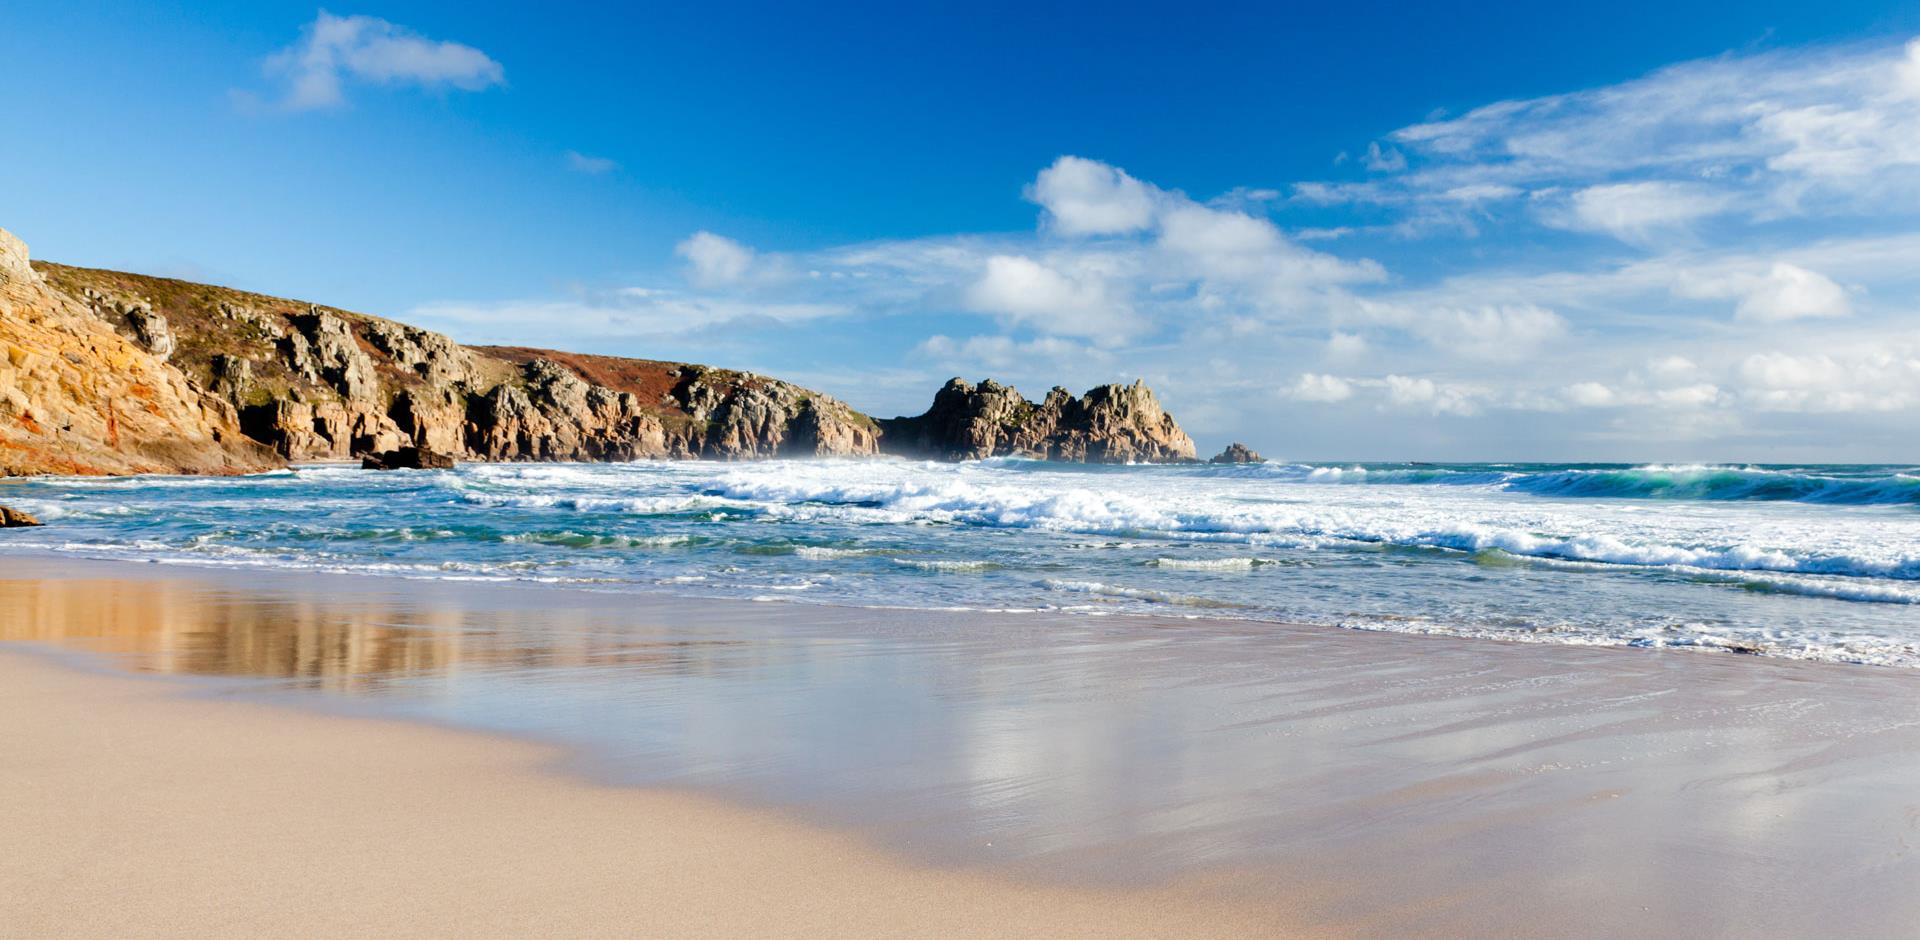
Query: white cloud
point(1908, 71)
point(1346, 346)
point(1087, 197)
point(1811, 132)
point(1006, 353)
point(337, 49)
point(1321, 388)
point(1383, 159)
point(1636, 211)
point(1673, 368)
point(1072, 303)
point(1783, 291)
point(714, 260)
point(1494, 331)
point(592, 166)
point(1590, 395)
point(1864, 379)
point(1426, 394)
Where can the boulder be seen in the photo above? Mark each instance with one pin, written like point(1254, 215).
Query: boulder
point(1237, 452)
point(407, 458)
point(15, 519)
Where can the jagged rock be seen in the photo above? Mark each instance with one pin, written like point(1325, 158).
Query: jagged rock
point(325, 348)
point(15, 519)
point(407, 458)
point(1237, 452)
point(231, 375)
point(434, 419)
point(260, 323)
point(1109, 424)
point(151, 330)
point(431, 356)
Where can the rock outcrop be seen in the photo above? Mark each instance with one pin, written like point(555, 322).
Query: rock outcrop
point(407, 458)
point(87, 386)
point(1109, 424)
point(15, 519)
point(1237, 452)
point(107, 372)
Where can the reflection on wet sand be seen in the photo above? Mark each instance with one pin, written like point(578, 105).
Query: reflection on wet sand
point(358, 641)
point(1419, 783)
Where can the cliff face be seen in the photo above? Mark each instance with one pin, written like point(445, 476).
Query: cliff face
point(284, 380)
point(1109, 424)
point(78, 395)
point(105, 372)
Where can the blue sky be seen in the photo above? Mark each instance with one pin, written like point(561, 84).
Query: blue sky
point(1649, 232)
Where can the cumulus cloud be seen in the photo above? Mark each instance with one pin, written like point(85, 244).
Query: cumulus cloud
point(1087, 197)
point(1321, 388)
point(1783, 291)
point(1871, 379)
point(334, 51)
point(1078, 302)
point(714, 260)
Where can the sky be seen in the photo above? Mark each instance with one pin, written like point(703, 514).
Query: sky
point(1628, 232)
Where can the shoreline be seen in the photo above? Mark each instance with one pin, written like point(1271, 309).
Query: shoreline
point(1217, 617)
point(1311, 778)
point(194, 815)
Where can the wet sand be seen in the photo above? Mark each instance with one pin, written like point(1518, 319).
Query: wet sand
point(660, 766)
point(134, 812)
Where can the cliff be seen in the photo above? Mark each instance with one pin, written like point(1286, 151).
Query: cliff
point(1109, 424)
point(107, 372)
point(230, 381)
point(78, 395)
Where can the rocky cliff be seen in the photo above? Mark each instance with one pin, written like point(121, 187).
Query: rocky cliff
point(225, 380)
point(87, 385)
point(1109, 424)
point(106, 372)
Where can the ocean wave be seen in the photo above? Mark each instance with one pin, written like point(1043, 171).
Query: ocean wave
point(1842, 486)
point(1212, 564)
point(1148, 595)
point(954, 500)
point(946, 565)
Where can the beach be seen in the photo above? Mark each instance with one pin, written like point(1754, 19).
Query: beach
point(332, 755)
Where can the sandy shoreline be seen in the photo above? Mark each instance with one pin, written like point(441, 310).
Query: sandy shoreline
point(133, 810)
point(730, 769)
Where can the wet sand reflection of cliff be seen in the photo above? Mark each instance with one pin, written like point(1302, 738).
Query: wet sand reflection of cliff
point(355, 643)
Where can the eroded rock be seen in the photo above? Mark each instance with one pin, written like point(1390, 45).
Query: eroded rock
point(1109, 424)
point(15, 519)
point(407, 458)
point(1237, 452)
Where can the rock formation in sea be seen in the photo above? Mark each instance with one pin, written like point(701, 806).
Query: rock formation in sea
point(108, 372)
point(15, 519)
point(1109, 424)
point(1237, 452)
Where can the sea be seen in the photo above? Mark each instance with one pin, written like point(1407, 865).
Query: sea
point(1806, 562)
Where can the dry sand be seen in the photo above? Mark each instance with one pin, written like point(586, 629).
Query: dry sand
point(132, 810)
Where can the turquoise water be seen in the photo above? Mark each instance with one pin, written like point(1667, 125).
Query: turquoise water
point(1808, 562)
